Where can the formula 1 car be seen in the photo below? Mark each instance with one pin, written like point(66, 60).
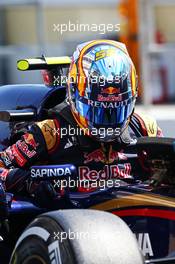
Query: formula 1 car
point(130, 222)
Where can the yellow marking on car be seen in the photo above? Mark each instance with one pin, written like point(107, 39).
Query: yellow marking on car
point(25, 64)
point(136, 200)
point(42, 63)
point(58, 60)
point(22, 65)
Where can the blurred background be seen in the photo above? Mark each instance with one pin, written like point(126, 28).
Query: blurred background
point(147, 27)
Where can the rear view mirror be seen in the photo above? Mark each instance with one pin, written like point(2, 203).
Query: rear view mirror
point(17, 115)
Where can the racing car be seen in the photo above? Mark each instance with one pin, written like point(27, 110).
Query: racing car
point(130, 222)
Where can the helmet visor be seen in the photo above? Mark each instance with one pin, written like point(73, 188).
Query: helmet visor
point(105, 114)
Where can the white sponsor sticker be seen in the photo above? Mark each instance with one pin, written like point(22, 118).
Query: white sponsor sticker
point(145, 244)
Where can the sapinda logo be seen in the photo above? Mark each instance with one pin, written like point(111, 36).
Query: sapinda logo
point(44, 172)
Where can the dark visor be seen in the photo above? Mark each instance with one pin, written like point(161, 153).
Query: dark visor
point(104, 115)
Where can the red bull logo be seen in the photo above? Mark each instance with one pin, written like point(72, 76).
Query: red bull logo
point(29, 140)
point(99, 156)
point(110, 90)
point(120, 171)
point(96, 155)
point(111, 98)
point(110, 94)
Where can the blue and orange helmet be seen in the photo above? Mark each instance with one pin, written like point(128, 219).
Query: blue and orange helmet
point(102, 87)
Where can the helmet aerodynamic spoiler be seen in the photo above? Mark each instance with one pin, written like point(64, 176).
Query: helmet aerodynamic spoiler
point(43, 63)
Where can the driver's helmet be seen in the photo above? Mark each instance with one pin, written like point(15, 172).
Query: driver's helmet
point(102, 88)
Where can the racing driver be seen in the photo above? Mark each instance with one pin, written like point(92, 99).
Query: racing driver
point(101, 96)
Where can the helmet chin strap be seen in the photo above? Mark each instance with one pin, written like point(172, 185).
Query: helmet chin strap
point(125, 137)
